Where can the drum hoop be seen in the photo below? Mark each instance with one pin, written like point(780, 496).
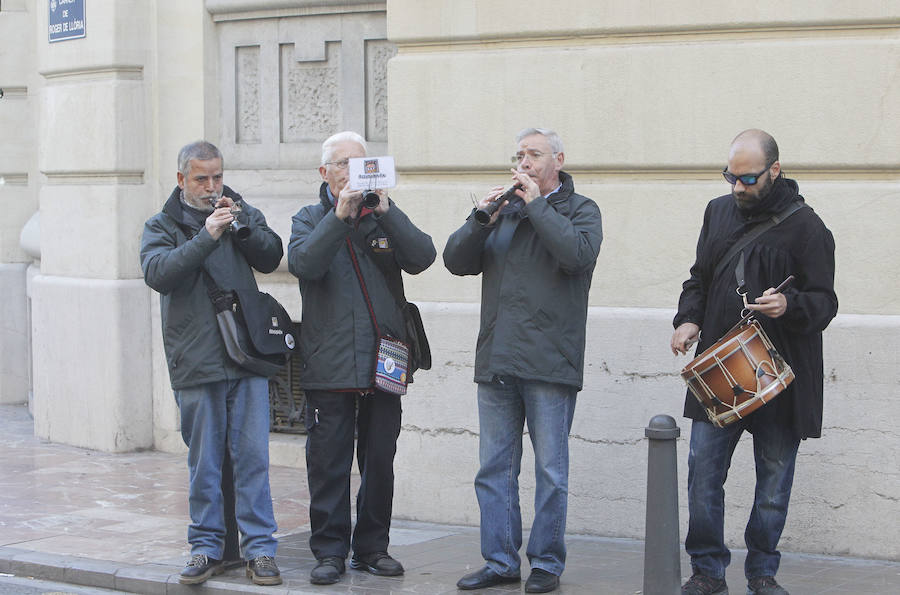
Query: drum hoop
point(780, 379)
point(753, 325)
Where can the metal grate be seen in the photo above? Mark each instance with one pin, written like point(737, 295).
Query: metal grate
point(287, 402)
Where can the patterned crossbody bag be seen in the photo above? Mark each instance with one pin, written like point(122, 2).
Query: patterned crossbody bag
point(392, 357)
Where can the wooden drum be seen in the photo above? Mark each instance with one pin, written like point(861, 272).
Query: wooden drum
point(737, 375)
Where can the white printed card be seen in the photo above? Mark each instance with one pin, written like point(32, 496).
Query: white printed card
point(372, 173)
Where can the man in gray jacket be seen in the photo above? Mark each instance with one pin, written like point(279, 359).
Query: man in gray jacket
point(338, 350)
point(536, 256)
point(224, 408)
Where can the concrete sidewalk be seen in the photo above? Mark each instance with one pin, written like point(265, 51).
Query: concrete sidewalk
point(119, 522)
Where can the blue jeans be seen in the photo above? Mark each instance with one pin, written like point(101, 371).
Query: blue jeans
point(232, 414)
point(775, 451)
point(503, 407)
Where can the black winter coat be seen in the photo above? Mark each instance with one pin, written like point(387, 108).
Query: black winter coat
point(338, 341)
point(801, 246)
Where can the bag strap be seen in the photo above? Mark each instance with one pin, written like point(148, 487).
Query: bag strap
point(756, 231)
point(211, 288)
point(362, 285)
point(221, 299)
point(395, 286)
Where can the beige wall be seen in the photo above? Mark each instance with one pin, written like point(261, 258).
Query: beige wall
point(647, 97)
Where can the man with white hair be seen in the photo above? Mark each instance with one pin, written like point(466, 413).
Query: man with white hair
point(338, 345)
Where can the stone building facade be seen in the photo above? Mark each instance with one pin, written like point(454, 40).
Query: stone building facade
point(646, 96)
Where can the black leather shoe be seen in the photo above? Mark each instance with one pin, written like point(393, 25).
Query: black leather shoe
point(263, 571)
point(484, 578)
point(327, 571)
point(541, 581)
point(377, 563)
point(200, 568)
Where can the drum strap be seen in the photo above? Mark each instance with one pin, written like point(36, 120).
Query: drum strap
point(753, 233)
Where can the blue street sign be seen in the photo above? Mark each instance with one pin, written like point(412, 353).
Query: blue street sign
point(66, 20)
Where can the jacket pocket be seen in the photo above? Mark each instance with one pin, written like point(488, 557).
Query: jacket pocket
point(559, 336)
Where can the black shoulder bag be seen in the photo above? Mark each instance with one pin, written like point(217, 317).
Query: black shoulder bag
point(258, 333)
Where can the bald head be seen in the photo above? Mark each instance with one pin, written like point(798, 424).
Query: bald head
point(756, 140)
point(754, 156)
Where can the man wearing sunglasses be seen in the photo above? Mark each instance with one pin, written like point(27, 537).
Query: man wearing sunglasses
point(798, 244)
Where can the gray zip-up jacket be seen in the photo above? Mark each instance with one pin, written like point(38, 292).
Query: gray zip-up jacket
point(338, 340)
point(536, 266)
point(174, 250)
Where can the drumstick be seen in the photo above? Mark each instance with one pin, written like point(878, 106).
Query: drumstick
point(784, 284)
point(778, 289)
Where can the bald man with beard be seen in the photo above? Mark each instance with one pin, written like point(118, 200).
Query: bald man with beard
point(794, 319)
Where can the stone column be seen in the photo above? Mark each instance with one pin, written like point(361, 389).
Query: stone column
point(18, 195)
point(90, 307)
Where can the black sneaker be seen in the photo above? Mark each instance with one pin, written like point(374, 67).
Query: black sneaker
point(765, 585)
point(700, 584)
point(377, 563)
point(263, 571)
point(200, 568)
point(327, 571)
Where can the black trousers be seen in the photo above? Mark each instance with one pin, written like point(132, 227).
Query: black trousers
point(330, 418)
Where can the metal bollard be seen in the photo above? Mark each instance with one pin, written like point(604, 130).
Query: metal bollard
point(662, 546)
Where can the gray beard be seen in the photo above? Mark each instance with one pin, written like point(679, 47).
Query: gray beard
point(202, 205)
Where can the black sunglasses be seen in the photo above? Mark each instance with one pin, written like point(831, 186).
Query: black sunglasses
point(746, 179)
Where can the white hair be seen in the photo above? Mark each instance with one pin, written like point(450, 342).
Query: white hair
point(555, 142)
point(200, 150)
point(340, 137)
